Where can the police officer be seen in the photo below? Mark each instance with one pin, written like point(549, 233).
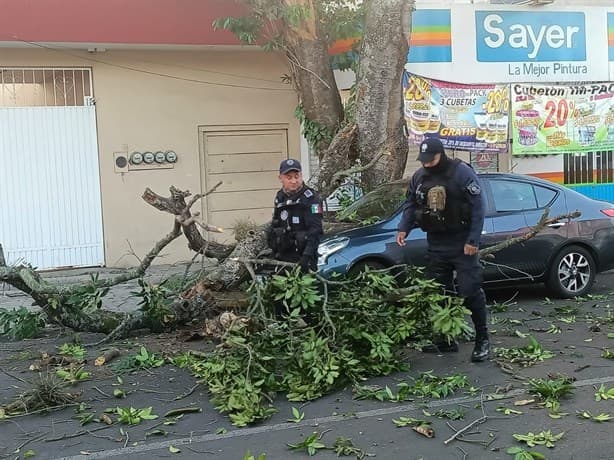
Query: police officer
point(296, 228)
point(445, 200)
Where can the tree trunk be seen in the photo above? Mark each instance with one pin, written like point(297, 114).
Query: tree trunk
point(307, 54)
point(379, 113)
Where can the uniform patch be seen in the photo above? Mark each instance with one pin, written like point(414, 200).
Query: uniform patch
point(308, 193)
point(283, 215)
point(474, 188)
point(316, 209)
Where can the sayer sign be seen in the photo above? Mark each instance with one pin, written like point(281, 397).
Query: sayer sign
point(508, 36)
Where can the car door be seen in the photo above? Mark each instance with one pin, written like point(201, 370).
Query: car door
point(516, 205)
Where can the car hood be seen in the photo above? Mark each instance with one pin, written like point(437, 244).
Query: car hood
point(353, 230)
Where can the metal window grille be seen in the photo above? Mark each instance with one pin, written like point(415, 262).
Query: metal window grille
point(604, 171)
point(46, 87)
point(589, 168)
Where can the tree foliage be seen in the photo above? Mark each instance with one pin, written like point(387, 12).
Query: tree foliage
point(354, 330)
point(303, 30)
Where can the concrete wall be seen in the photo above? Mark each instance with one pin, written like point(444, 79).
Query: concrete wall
point(140, 110)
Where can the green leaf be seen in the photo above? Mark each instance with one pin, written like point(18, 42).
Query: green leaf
point(29, 454)
point(173, 450)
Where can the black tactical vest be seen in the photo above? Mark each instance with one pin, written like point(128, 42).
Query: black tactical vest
point(442, 204)
point(289, 228)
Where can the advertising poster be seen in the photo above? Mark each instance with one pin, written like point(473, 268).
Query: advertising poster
point(464, 117)
point(551, 119)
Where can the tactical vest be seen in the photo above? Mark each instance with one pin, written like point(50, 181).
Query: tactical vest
point(442, 204)
point(289, 228)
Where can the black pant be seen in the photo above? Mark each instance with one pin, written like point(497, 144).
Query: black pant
point(443, 261)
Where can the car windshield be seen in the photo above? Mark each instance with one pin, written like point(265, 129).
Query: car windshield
point(379, 204)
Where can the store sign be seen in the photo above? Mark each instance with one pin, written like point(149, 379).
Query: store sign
point(464, 117)
point(504, 36)
point(522, 44)
point(550, 119)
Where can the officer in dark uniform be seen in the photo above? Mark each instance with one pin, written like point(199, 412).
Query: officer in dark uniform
point(296, 229)
point(445, 200)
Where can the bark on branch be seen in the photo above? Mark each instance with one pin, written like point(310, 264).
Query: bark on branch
point(541, 224)
point(176, 205)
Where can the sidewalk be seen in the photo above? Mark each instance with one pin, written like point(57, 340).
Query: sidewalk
point(119, 297)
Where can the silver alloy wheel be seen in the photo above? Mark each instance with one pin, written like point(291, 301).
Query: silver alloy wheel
point(574, 272)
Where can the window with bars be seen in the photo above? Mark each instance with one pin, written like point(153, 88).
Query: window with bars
point(589, 168)
point(28, 87)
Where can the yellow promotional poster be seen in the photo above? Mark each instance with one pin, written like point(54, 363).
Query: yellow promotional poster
point(550, 119)
point(464, 117)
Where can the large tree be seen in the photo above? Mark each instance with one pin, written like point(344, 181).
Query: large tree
point(368, 134)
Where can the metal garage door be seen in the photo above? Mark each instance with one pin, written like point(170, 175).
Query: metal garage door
point(50, 208)
point(247, 162)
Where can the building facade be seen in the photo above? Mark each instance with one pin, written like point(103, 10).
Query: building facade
point(100, 100)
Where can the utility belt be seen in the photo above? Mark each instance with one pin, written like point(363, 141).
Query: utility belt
point(284, 240)
point(438, 222)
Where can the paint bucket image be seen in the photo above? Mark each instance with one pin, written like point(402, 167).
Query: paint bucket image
point(480, 123)
point(527, 122)
point(419, 121)
point(491, 130)
point(502, 129)
point(586, 134)
point(434, 121)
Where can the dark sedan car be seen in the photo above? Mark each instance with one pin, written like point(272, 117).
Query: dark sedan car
point(566, 255)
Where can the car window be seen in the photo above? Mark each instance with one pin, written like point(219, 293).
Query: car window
point(512, 196)
point(380, 203)
point(544, 195)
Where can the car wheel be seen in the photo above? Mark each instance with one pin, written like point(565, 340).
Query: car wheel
point(572, 272)
point(360, 266)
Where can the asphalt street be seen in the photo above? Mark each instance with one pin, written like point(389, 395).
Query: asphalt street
point(576, 331)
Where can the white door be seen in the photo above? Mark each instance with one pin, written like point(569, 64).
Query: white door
point(50, 209)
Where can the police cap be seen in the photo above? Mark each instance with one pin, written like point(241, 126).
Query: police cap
point(289, 165)
point(429, 148)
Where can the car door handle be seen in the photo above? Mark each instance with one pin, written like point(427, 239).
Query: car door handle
point(556, 224)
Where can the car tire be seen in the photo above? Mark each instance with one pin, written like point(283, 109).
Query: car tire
point(572, 272)
point(360, 266)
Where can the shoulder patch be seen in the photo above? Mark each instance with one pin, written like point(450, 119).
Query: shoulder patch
point(474, 188)
point(316, 209)
point(308, 193)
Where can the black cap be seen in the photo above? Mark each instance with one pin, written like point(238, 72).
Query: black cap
point(289, 165)
point(429, 147)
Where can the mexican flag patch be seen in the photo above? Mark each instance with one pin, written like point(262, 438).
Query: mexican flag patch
point(316, 209)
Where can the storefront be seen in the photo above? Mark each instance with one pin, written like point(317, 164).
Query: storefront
point(530, 86)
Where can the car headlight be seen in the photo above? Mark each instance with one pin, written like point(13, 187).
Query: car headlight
point(329, 247)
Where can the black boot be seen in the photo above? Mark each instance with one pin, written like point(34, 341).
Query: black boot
point(441, 347)
point(481, 349)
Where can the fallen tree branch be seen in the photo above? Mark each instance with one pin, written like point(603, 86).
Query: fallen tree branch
point(477, 421)
point(25, 276)
point(176, 205)
point(543, 222)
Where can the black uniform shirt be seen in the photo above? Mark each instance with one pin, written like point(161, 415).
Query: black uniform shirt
point(304, 216)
